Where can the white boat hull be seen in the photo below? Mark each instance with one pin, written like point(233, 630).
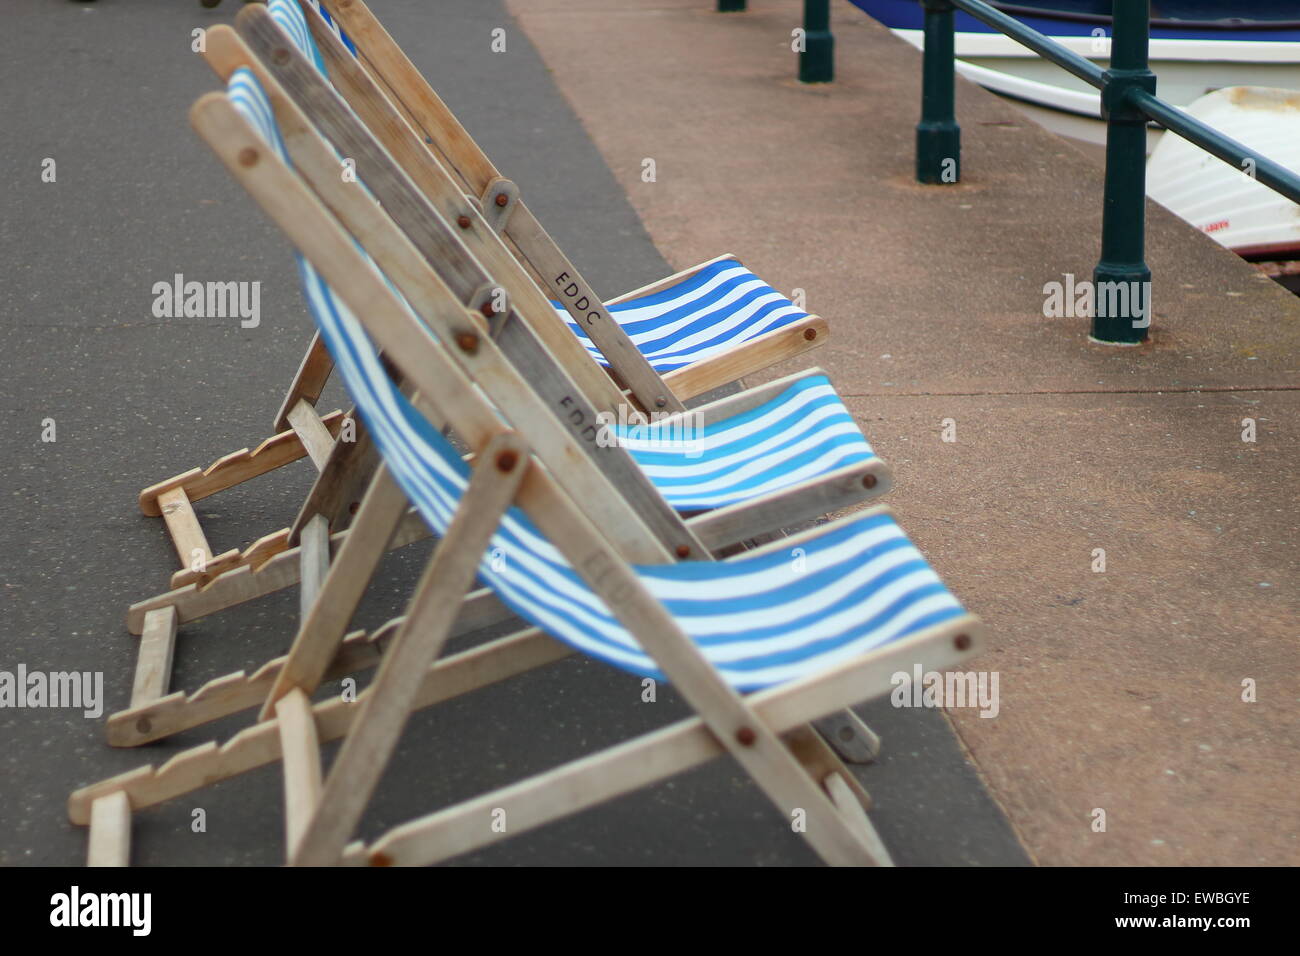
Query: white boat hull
point(1186, 70)
point(1223, 202)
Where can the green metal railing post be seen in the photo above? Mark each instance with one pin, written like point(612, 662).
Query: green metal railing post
point(938, 137)
point(730, 6)
point(1122, 281)
point(817, 61)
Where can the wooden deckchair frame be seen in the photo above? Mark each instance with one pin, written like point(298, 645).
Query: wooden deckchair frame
point(388, 101)
point(447, 140)
point(321, 813)
point(152, 711)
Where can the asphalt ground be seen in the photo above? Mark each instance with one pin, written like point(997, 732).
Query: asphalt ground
point(103, 90)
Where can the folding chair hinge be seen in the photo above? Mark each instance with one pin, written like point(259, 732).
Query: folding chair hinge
point(498, 202)
point(493, 303)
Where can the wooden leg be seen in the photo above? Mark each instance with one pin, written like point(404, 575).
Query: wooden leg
point(110, 831)
point(326, 621)
point(314, 561)
point(848, 803)
point(308, 382)
point(187, 536)
point(313, 434)
point(153, 668)
point(301, 754)
point(387, 703)
point(338, 489)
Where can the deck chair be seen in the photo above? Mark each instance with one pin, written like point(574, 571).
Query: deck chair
point(756, 646)
point(775, 456)
point(824, 463)
point(699, 329)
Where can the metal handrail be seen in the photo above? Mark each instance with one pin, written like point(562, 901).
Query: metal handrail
point(1128, 98)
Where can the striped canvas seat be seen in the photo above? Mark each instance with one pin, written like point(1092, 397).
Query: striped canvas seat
point(707, 314)
point(800, 434)
point(760, 618)
point(713, 311)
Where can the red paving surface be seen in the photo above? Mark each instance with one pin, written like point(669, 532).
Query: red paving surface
point(1120, 690)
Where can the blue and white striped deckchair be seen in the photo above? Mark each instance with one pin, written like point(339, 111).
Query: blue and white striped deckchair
point(718, 309)
point(757, 621)
point(811, 625)
point(698, 313)
point(799, 434)
point(687, 328)
point(748, 465)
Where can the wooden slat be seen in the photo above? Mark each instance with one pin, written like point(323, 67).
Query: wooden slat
point(302, 775)
point(336, 493)
point(248, 582)
point(672, 280)
point(418, 98)
point(325, 617)
point(259, 744)
point(110, 831)
point(387, 703)
point(563, 281)
point(743, 401)
point(314, 558)
point(834, 491)
point(232, 693)
point(757, 354)
point(153, 667)
point(570, 289)
point(183, 524)
point(313, 434)
point(235, 468)
point(851, 807)
point(254, 556)
point(308, 382)
point(782, 708)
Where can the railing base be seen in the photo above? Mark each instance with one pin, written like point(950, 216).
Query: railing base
point(938, 153)
point(1121, 306)
point(817, 61)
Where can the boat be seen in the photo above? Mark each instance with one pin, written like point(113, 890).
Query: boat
point(1227, 204)
point(1197, 46)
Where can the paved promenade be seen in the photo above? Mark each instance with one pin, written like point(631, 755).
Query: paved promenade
point(1120, 690)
